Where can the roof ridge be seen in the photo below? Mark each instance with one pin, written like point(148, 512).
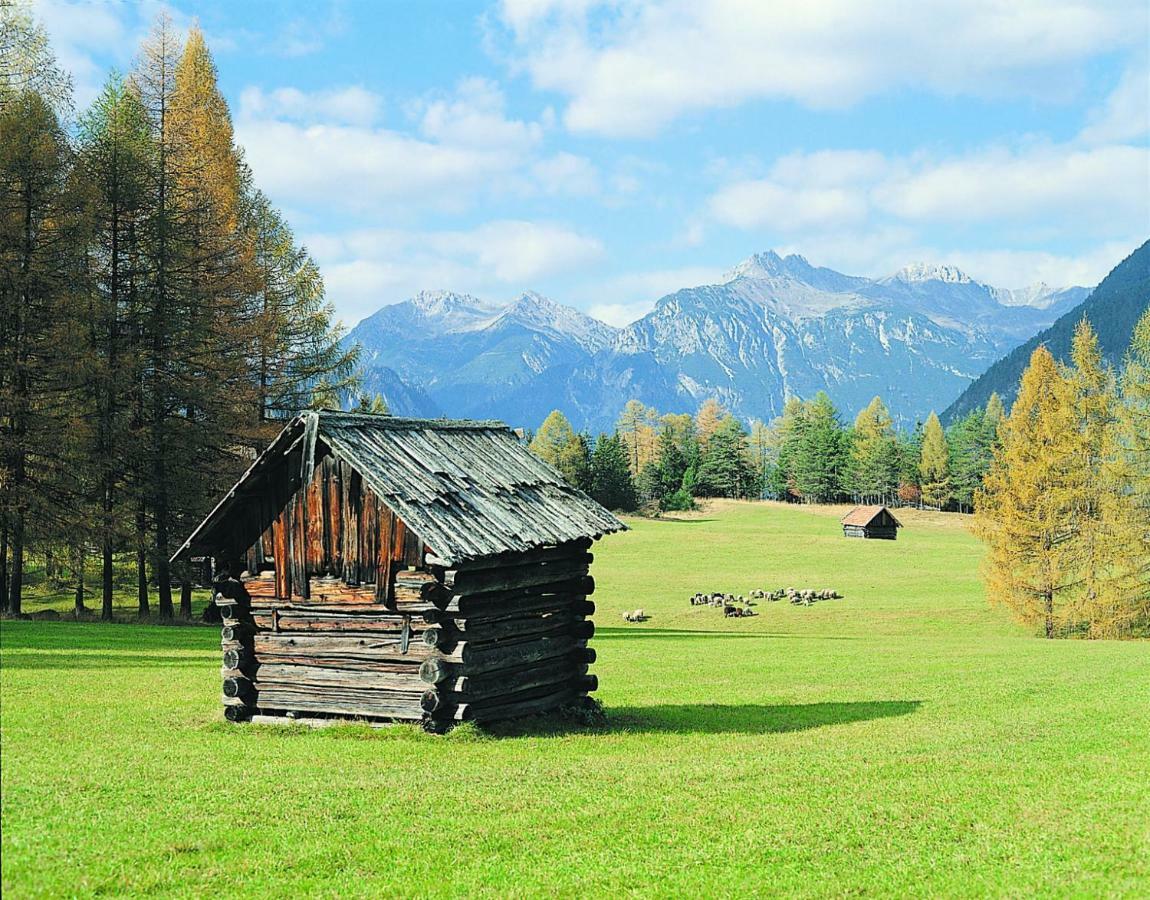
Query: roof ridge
point(387, 421)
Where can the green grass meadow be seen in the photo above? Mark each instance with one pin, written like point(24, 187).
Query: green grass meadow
point(906, 740)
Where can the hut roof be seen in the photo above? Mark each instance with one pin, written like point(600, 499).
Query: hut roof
point(468, 489)
point(864, 515)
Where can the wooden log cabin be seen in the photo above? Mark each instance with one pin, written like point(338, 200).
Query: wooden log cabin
point(871, 522)
point(384, 568)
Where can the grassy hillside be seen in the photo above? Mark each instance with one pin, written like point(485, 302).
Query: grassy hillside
point(906, 739)
point(1113, 309)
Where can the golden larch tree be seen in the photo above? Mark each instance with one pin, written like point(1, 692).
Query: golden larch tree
point(1027, 507)
point(934, 464)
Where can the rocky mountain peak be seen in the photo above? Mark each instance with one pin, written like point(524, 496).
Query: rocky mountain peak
point(920, 271)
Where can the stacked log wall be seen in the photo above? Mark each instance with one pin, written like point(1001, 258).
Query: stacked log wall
point(498, 638)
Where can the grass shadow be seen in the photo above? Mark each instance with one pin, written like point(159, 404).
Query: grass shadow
point(704, 718)
point(100, 661)
point(610, 633)
point(751, 718)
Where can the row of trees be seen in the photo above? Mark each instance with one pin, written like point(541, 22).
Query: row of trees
point(158, 315)
point(805, 455)
point(817, 459)
point(655, 460)
point(1065, 507)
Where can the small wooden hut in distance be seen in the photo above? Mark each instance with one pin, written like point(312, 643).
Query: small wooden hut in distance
point(871, 522)
point(387, 568)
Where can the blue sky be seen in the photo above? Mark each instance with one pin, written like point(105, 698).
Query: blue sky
point(606, 153)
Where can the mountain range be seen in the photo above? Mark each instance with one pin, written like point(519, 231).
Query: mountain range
point(773, 327)
point(1113, 309)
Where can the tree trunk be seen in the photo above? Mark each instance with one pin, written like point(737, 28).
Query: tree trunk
point(16, 579)
point(1048, 602)
point(186, 592)
point(3, 563)
point(79, 607)
point(163, 567)
point(106, 580)
point(142, 563)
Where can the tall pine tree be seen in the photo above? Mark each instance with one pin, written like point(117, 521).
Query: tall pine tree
point(934, 464)
point(1025, 510)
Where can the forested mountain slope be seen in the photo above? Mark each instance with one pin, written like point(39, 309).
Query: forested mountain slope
point(1112, 309)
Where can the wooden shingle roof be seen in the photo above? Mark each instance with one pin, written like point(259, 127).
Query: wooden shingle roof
point(468, 489)
point(864, 515)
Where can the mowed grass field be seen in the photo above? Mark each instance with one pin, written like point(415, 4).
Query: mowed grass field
point(907, 740)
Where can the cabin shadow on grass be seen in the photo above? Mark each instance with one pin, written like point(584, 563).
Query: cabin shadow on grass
point(751, 718)
point(705, 718)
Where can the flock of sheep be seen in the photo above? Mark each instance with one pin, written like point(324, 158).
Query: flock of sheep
point(733, 607)
point(804, 597)
point(739, 606)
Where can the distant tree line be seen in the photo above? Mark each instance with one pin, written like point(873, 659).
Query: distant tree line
point(807, 455)
point(158, 317)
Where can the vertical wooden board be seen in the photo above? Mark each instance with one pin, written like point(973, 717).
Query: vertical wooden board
point(313, 523)
point(368, 536)
point(300, 581)
point(349, 532)
point(412, 550)
point(383, 551)
point(335, 506)
point(280, 554)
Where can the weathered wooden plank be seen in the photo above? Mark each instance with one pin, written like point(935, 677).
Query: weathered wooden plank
point(328, 622)
point(341, 702)
point(491, 691)
point(572, 605)
point(543, 554)
point(370, 649)
point(507, 601)
point(478, 713)
point(480, 581)
point(322, 676)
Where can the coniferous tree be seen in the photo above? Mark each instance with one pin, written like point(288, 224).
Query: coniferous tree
point(726, 468)
point(820, 458)
point(1128, 524)
point(873, 472)
point(934, 465)
point(297, 340)
point(557, 443)
point(114, 160)
point(711, 414)
point(1094, 553)
point(611, 483)
point(789, 429)
point(1025, 510)
point(637, 427)
point(969, 446)
point(41, 280)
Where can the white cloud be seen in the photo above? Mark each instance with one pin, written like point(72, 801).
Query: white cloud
point(633, 295)
point(518, 251)
point(475, 116)
point(367, 268)
point(630, 68)
point(1019, 268)
point(1053, 190)
point(1055, 186)
point(351, 105)
point(357, 168)
point(747, 204)
point(326, 147)
point(566, 173)
point(78, 32)
point(1125, 116)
